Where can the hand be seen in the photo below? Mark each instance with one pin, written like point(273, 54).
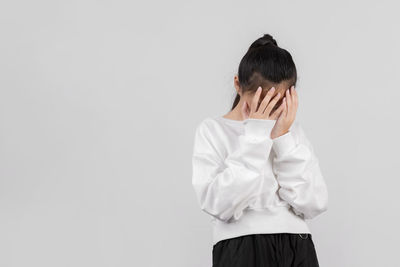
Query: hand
point(263, 110)
point(288, 114)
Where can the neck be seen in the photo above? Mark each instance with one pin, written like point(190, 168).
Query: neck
point(236, 113)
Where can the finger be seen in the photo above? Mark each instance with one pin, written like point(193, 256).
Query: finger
point(272, 103)
point(292, 93)
point(254, 101)
point(285, 108)
point(294, 102)
point(266, 99)
point(288, 102)
point(278, 111)
point(296, 97)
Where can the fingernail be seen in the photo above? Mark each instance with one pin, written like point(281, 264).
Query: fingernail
point(273, 88)
point(259, 88)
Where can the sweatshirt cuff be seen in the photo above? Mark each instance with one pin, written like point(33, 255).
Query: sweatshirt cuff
point(283, 144)
point(258, 127)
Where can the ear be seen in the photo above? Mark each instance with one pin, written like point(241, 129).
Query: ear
point(237, 85)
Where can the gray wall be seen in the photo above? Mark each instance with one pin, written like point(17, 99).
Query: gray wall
point(98, 105)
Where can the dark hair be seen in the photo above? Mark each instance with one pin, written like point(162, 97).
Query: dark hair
point(265, 64)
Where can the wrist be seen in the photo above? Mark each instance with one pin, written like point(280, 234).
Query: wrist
point(258, 127)
point(284, 143)
point(273, 135)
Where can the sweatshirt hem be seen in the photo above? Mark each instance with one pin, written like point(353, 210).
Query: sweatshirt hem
point(276, 220)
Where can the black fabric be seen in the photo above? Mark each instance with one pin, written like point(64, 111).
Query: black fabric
point(266, 250)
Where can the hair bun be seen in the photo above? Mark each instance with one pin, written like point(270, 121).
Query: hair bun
point(267, 39)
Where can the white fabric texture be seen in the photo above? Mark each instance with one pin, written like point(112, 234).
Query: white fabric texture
point(249, 183)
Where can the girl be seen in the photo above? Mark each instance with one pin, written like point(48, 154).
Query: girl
point(254, 170)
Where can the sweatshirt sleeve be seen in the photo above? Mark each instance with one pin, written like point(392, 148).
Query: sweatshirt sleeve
point(225, 187)
point(298, 173)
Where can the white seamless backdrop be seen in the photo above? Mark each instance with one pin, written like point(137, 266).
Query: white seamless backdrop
point(98, 105)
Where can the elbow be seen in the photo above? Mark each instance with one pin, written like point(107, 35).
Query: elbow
point(318, 207)
point(221, 203)
point(322, 202)
point(211, 205)
point(307, 206)
point(225, 212)
point(217, 215)
point(311, 214)
point(222, 213)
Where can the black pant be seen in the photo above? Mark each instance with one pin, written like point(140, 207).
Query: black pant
point(266, 250)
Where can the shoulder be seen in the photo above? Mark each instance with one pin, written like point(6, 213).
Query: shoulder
point(207, 125)
point(207, 139)
point(204, 128)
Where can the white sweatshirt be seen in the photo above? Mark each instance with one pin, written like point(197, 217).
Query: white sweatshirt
point(249, 183)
